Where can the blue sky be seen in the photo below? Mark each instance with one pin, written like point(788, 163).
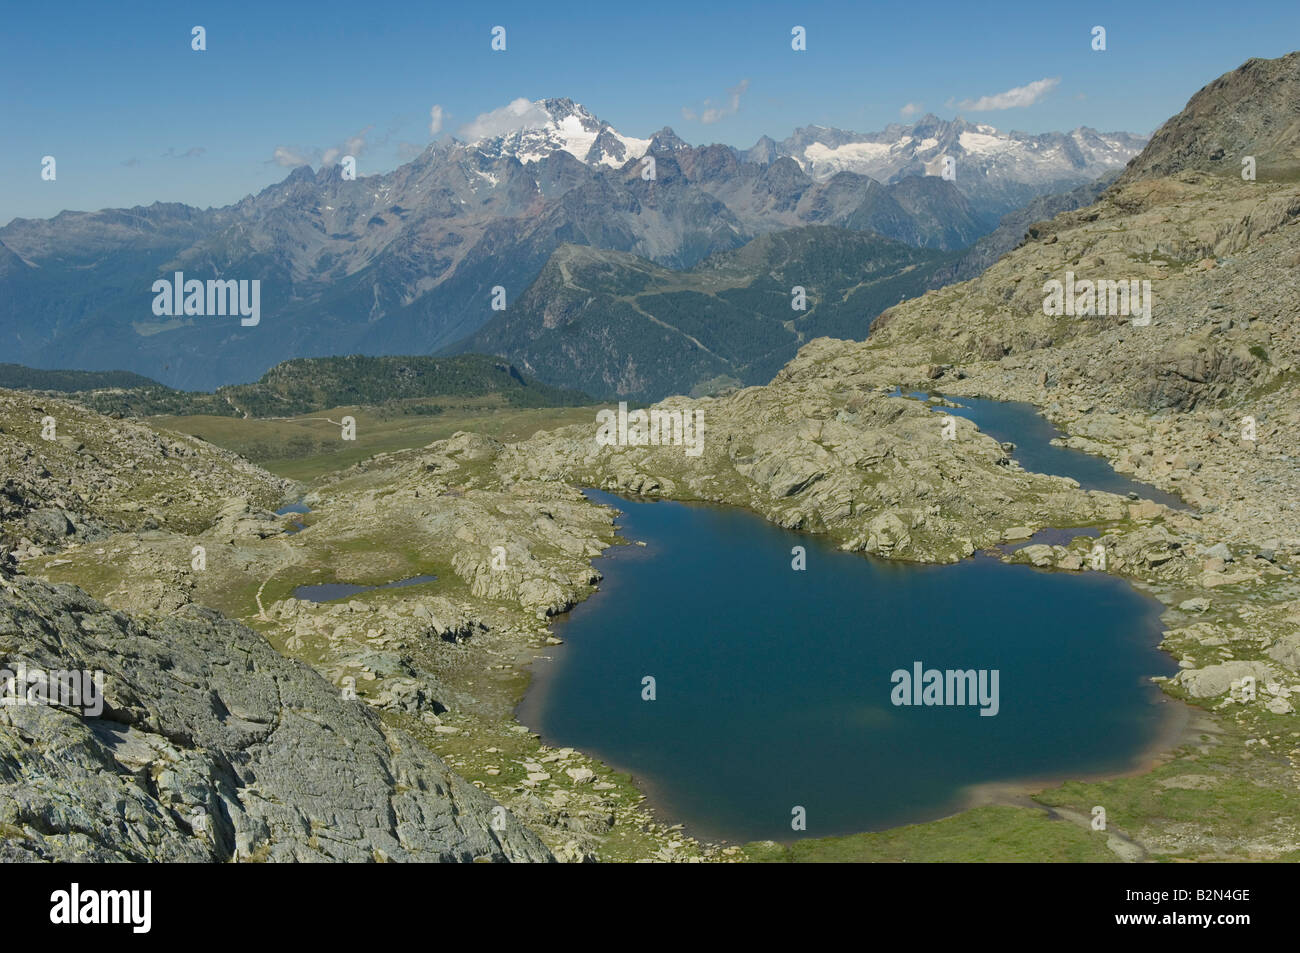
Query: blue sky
point(133, 115)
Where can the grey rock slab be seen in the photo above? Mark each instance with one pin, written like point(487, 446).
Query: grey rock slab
point(211, 746)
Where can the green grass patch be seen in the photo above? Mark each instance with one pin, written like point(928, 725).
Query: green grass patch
point(996, 834)
point(307, 447)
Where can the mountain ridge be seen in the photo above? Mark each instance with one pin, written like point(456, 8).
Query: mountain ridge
point(618, 325)
point(1253, 111)
point(304, 385)
point(407, 261)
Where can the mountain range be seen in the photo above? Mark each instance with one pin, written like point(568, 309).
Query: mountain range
point(616, 325)
point(406, 262)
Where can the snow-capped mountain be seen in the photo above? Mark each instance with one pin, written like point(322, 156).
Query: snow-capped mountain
point(918, 149)
point(998, 171)
point(981, 150)
point(561, 125)
point(403, 261)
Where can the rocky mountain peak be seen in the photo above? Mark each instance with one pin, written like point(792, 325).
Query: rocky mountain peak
point(665, 140)
point(1253, 110)
point(548, 126)
point(302, 174)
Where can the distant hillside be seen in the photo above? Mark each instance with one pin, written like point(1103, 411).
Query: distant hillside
point(305, 385)
point(1014, 227)
point(18, 377)
point(618, 325)
point(309, 384)
point(1252, 111)
point(114, 392)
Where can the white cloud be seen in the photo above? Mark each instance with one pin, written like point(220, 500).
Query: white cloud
point(435, 120)
point(352, 146)
point(1013, 98)
point(520, 114)
point(712, 113)
point(911, 109)
point(291, 158)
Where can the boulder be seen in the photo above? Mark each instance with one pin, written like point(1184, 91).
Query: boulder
point(886, 533)
point(1214, 680)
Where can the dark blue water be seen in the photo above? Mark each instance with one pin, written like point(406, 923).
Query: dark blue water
point(773, 686)
point(297, 508)
point(329, 591)
point(1032, 433)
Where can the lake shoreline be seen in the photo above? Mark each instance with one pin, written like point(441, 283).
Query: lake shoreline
point(1174, 726)
point(1179, 725)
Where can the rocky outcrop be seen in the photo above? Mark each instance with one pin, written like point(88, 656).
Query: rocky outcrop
point(213, 747)
point(1250, 111)
point(1215, 680)
point(72, 474)
point(825, 448)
